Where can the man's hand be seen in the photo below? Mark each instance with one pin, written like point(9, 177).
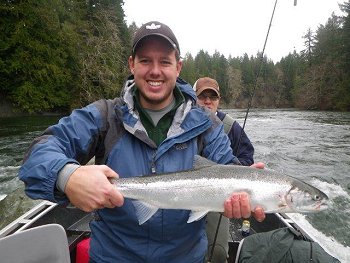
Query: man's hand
point(259, 165)
point(88, 188)
point(238, 206)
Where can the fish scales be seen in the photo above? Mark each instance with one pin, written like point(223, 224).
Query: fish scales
point(206, 187)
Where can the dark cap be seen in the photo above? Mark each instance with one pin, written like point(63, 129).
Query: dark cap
point(206, 83)
point(155, 28)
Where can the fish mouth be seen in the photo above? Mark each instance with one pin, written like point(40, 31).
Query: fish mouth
point(314, 208)
point(320, 206)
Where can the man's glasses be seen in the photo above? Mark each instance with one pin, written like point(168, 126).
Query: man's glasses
point(211, 97)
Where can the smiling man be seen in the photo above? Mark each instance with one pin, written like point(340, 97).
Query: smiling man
point(153, 128)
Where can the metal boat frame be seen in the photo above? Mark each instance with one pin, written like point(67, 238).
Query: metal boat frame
point(76, 224)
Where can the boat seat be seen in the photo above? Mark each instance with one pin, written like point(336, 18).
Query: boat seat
point(46, 243)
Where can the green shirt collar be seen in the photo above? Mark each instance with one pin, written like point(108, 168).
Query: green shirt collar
point(179, 99)
point(158, 133)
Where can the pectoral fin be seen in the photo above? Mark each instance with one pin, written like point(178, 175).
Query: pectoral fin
point(144, 211)
point(196, 215)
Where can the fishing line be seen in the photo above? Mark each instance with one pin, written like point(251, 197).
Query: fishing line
point(246, 115)
point(257, 77)
point(214, 241)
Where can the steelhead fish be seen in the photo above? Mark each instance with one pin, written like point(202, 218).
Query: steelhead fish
point(208, 185)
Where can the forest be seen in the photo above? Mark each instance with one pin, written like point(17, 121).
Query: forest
point(58, 55)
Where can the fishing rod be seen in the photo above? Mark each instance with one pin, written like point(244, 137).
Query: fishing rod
point(257, 76)
point(246, 114)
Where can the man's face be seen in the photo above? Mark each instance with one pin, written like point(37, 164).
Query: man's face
point(155, 69)
point(210, 99)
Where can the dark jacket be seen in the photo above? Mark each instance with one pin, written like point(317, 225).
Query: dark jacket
point(246, 150)
point(281, 246)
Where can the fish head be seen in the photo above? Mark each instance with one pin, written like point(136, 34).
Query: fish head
point(304, 198)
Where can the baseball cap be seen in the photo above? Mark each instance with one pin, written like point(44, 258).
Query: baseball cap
point(155, 28)
point(206, 83)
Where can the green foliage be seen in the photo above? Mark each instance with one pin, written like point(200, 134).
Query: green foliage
point(327, 73)
point(189, 72)
point(33, 58)
point(62, 54)
point(203, 63)
point(59, 54)
point(344, 89)
point(103, 51)
point(219, 67)
point(33, 98)
point(309, 44)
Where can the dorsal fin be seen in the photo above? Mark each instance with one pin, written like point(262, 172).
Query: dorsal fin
point(201, 162)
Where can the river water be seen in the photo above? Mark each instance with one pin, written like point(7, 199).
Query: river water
point(311, 145)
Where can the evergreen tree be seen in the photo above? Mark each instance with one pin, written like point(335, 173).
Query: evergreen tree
point(235, 83)
point(60, 54)
point(33, 60)
point(104, 46)
point(248, 75)
point(309, 44)
point(189, 72)
point(289, 67)
point(203, 64)
point(219, 67)
point(343, 102)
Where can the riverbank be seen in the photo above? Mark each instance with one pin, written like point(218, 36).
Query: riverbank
point(7, 110)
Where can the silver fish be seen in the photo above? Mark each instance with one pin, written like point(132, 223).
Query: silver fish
point(208, 185)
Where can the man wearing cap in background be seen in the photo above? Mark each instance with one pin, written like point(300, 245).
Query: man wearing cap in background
point(153, 128)
point(208, 95)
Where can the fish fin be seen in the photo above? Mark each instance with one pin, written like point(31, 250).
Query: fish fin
point(201, 162)
point(144, 211)
point(196, 215)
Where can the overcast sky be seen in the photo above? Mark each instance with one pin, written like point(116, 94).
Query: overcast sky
point(235, 26)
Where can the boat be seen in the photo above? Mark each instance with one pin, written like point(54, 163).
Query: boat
point(75, 223)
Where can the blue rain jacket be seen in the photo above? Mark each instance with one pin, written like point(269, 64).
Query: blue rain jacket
point(111, 131)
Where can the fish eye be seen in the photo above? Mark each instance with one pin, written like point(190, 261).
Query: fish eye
point(317, 197)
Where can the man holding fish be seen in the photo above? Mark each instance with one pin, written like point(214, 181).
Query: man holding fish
point(154, 128)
